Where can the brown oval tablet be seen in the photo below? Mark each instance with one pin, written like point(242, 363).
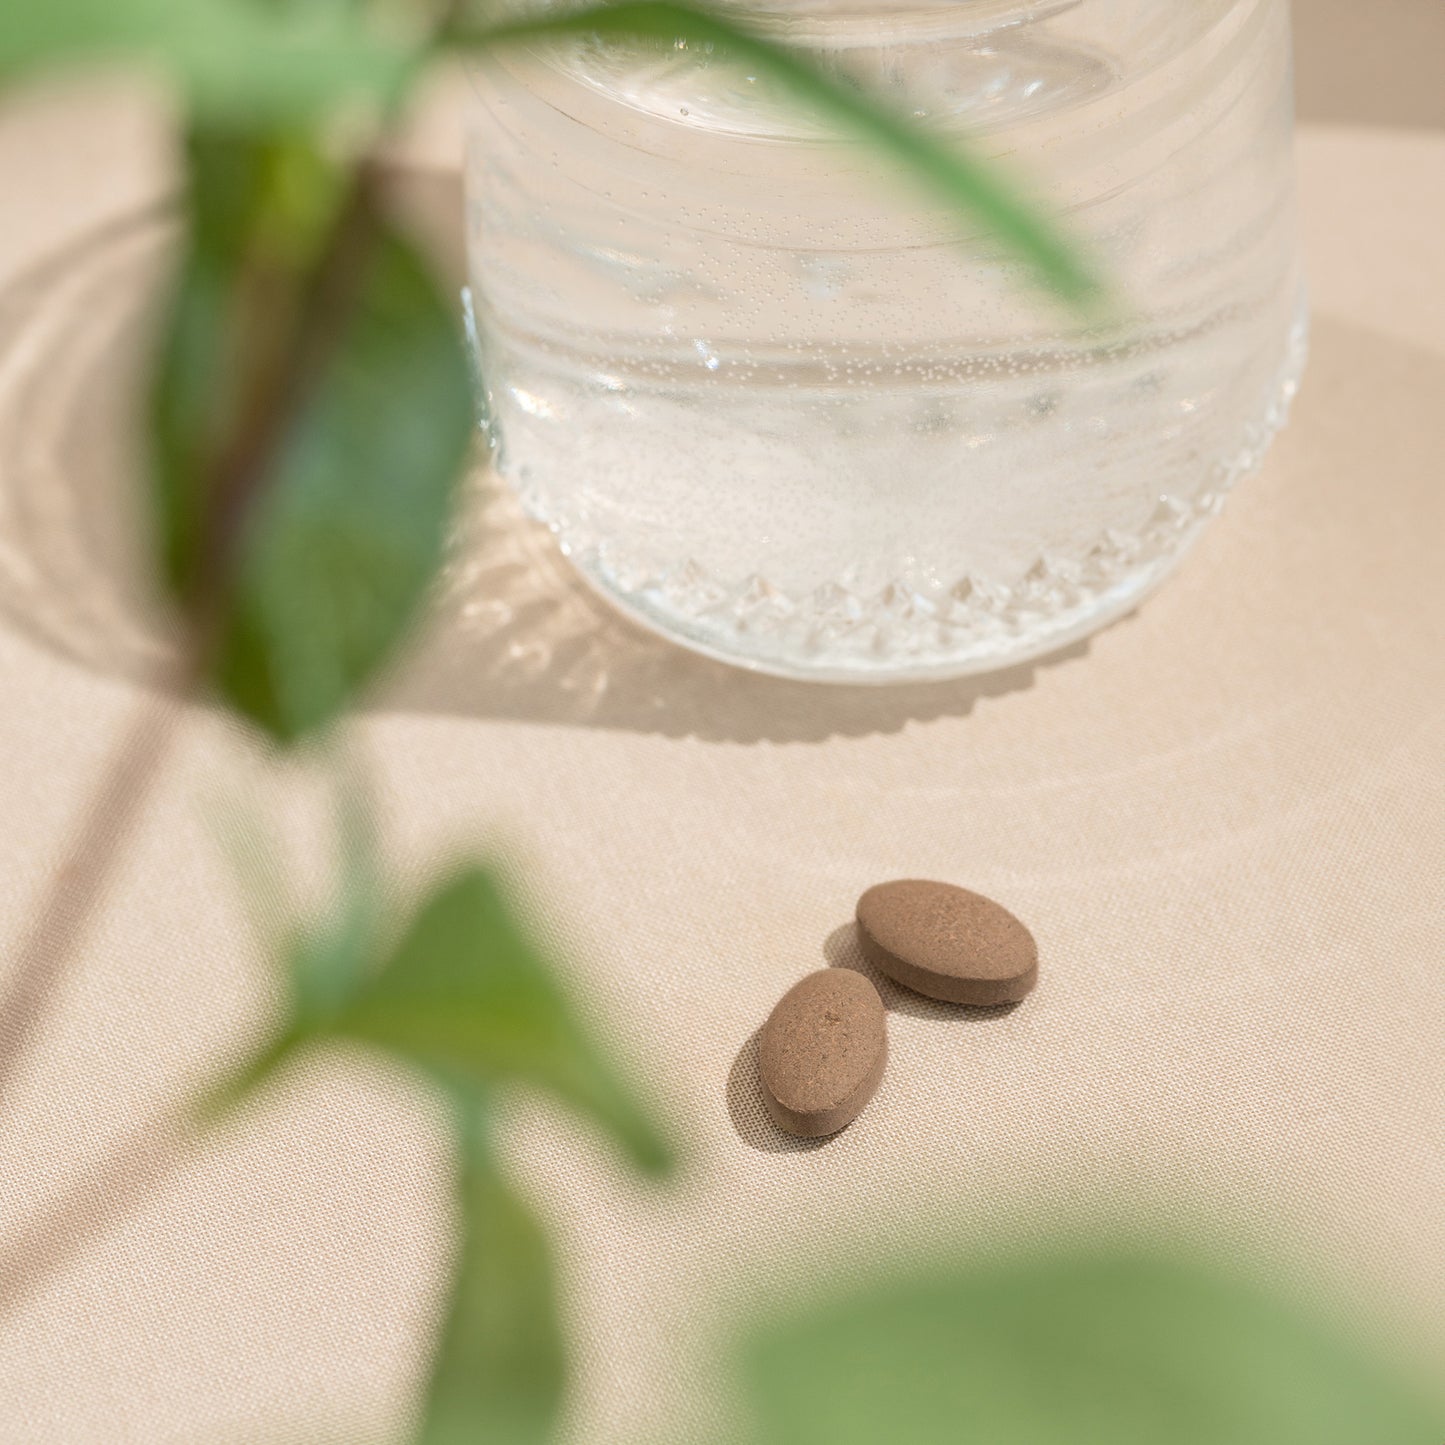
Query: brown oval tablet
point(946, 942)
point(822, 1051)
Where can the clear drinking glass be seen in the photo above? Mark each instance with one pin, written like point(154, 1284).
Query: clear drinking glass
point(779, 405)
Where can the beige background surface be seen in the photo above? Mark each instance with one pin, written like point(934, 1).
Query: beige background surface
point(1224, 818)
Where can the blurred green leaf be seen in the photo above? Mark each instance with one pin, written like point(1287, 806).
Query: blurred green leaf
point(260, 205)
point(252, 848)
point(1089, 1347)
point(467, 997)
point(233, 60)
point(231, 1088)
point(325, 962)
point(347, 538)
point(498, 1372)
point(196, 395)
point(953, 175)
point(330, 964)
point(344, 532)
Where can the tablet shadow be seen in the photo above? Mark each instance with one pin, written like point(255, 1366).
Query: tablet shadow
point(842, 950)
point(749, 1114)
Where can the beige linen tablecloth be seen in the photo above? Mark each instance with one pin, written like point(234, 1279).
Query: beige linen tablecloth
point(1224, 818)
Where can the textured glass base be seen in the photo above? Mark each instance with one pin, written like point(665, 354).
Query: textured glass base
point(901, 633)
point(901, 636)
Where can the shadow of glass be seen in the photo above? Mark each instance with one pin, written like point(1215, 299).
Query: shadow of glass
point(514, 632)
point(74, 334)
point(519, 635)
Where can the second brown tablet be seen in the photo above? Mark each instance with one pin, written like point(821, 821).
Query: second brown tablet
point(822, 1052)
point(946, 942)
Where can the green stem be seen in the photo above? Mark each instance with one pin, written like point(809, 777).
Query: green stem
point(947, 168)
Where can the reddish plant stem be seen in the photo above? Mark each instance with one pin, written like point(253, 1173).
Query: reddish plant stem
point(274, 398)
point(127, 1175)
point(275, 395)
point(281, 386)
point(78, 884)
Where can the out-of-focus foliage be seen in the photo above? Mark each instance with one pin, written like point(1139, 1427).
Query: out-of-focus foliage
point(253, 63)
point(499, 1370)
point(947, 168)
point(312, 464)
point(467, 998)
point(1093, 1346)
point(463, 998)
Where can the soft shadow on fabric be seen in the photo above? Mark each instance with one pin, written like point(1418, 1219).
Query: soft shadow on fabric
point(514, 632)
point(515, 635)
point(749, 1115)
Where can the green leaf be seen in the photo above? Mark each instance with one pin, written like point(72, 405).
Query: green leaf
point(260, 206)
point(1088, 1347)
point(348, 537)
point(325, 963)
point(467, 997)
point(200, 370)
point(498, 1372)
point(233, 60)
point(344, 532)
point(214, 1100)
point(252, 848)
point(329, 963)
point(335, 973)
point(324, 960)
point(946, 167)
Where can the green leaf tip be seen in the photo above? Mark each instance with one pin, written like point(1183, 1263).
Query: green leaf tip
point(213, 1103)
point(498, 1372)
point(235, 61)
point(947, 168)
point(467, 997)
